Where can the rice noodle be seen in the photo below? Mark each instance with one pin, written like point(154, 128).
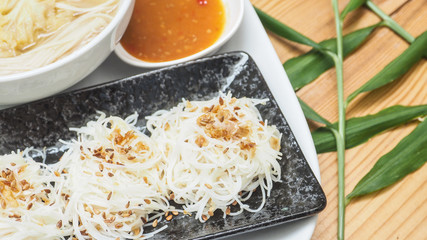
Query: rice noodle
point(114, 180)
point(71, 35)
point(218, 152)
point(31, 207)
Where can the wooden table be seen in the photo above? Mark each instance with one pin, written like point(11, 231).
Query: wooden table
point(399, 211)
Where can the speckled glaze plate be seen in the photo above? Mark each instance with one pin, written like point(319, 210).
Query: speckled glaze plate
point(41, 124)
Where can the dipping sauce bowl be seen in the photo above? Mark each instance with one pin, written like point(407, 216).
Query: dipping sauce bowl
point(221, 30)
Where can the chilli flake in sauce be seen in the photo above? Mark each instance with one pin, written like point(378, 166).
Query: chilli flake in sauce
point(165, 30)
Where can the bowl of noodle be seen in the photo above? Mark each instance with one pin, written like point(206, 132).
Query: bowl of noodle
point(47, 46)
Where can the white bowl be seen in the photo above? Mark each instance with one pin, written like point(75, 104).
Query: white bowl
point(234, 15)
point(58, 76)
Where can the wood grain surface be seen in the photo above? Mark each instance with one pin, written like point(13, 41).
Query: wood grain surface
point(399, 211)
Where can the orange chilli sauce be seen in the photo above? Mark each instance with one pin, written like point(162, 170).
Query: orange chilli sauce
point(165, 30)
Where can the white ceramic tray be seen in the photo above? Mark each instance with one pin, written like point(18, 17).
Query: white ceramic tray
point(251, 38)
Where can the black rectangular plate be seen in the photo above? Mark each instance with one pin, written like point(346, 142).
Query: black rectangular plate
point(42, 123)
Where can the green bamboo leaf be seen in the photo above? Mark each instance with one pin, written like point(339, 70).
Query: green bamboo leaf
point(306, 68)
point(352, 5)
point(396, 68)
point(360, 129)
point(285, 31)
point(409, 155)
point(311, 114)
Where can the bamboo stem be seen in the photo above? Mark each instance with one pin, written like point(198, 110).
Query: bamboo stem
point(340, 135)
point(389, 22)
